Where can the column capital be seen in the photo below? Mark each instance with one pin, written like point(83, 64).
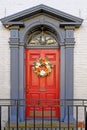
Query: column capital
point(14, 36)
point(69, 27)
point(14, 28)
point(69, 35)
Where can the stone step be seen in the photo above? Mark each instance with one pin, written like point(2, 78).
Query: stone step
point(46, 126)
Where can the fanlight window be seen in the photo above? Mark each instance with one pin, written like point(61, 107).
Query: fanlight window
point(42, 39)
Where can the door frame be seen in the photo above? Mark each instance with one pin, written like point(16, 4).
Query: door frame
point(64, 25)
point(17, 49)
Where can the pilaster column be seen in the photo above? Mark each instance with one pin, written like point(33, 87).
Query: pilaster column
point(21, 80)
point(62, 79)
point(69, 64)
point(14, 75)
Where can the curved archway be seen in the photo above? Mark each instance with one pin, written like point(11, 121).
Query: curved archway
point(52, 28)
point(41, 37)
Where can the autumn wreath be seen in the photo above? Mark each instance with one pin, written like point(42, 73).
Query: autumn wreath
point(42, 67)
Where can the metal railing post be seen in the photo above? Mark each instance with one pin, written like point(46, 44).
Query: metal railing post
point(0, 118)
point(86, 121)
point(43, 116)
point(17, 114)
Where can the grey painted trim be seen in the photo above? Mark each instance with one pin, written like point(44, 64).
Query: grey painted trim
point(9, 24)
point(69, 72)
point(63, 70)
point(62, 78)
point(70, 41)
point(44, 22)
point(42, 47)
point(69, 88)
point(14, 35)
point(69, 63)
point(14, 73)
point(66, 45)
point(75, 24)
point(14, 78)
point(69, 35)
point(14, 69)
point(41, 9)
point(21, 80)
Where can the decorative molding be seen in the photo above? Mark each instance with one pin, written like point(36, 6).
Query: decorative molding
point(69, 41)
point(42, 20)
point(12, 24)
point(36, 23)
point(69, 27)
point(41, 9)
point(69, 33)
point(14, 36)
point(70, 24)
point(42, 47)
point(69, 36)
point(15, 27)
point(18, 38)
point(62, 43)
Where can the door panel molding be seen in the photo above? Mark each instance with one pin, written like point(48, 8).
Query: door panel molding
point(42, 88)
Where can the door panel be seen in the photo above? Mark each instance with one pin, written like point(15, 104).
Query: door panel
point(42, 90)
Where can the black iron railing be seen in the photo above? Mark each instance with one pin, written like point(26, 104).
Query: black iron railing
point(51, 114)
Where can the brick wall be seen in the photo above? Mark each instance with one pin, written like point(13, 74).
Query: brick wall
point(80, 62)
point(80, 51)
point(4, 63)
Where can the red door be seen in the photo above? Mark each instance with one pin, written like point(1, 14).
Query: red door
point(41, 91)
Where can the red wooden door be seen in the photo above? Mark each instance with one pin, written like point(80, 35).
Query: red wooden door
point(41, 91)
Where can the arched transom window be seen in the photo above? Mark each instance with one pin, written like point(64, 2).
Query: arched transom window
point(41, 38)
